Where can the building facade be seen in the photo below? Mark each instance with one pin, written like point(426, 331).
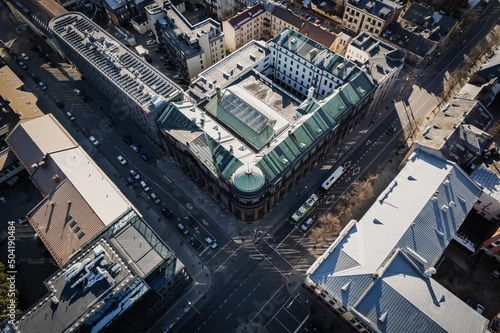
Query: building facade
point(193, 48)
point(261, 120)
point(136, 89)
point(370, 15)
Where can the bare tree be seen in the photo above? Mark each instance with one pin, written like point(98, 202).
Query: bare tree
point(317, 235)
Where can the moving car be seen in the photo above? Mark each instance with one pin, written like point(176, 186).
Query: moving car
point(135, 174)
point(121, 160)
point(211, 242)
point(306, 225)
point(150, 42)
point(391, 130)
point(78, 92)
point(93, 140)
point(25, 56)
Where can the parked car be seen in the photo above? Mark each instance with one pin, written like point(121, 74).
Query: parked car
point(23, 65)
point(191, 221)
point(59, 104)
point(25, 56)
point(127, 139)
point(148, 58)
point(211, 242)
point(195, 242)
point(479, 308)
point(86, 132)
point(155, 198)
point(150, 42)
point(70, 116)
point(145, 157)
point(121, 160)
point(167, 213)
point(78, 92)
point(35, 78)
point(183, 229)
point(145, 186)
point(42, 85)
point(134, 148)
point(135, 174)
point(94, 141)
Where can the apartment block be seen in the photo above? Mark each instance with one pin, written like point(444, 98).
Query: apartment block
point(372, 16)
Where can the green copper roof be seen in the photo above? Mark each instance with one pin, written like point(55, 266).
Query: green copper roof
point(298, 43)
point(248, 179)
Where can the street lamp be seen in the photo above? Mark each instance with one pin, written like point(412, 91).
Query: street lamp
point(192, 305)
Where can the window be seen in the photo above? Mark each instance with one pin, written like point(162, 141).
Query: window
point(496, 243)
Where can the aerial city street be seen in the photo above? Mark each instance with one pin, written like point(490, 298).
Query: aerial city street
point(250, 166)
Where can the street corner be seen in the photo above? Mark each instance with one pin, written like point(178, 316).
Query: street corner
point(293, 283)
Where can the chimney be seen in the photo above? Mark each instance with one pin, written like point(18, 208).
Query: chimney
point(310, 93)
point(217, 89)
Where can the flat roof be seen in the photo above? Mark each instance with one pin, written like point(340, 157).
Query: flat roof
point(22, 101)
point(226, 70)
point(72, 298)
point(142, 82)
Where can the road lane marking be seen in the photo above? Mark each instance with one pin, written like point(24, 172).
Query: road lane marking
point(292, 316)
point(229, 315)
point(301, 324)
point(269, 300)
point(283, 325)
point(232, 254)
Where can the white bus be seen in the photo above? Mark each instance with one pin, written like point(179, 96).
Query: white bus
point(327, 185)
point(304, 209)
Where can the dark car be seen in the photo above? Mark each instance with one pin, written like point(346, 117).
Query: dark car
point(195, 242)
point(191, 221)
point(145, 157)
point(168, 213)
point(59, 104)
point(127, 139)
point(391, 130)
point(86, 132)
point(148, 58)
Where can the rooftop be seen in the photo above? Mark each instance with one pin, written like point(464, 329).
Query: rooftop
point(74, 296)
point(144, 84)
point(45, 10)
point(76, 191)
point(383, 58)
point(104, 280)
point(22, 101)
point(458, 130)
point(228, 69)
point(361, 272)
point(379, 8)
point(249, 14)
point(429, 20)
point(184, 34)
point(409, 40)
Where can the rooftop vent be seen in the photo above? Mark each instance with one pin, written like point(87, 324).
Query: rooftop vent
point(284, 161)
point(56, 178)
point(383, 317)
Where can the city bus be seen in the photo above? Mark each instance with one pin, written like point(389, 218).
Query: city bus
point(334, 177)
point(304, 209)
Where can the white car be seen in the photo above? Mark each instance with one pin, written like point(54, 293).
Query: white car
point(150, 42)
point(134, 148)
point(25, 56)
point(135, 174)
point(42, 85)
point(307, 224)
point(211, 242)
point(122, 160)
point(78, 92)
point(93, 140)
point(70, 116)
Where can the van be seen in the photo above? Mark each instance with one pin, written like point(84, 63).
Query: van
point(155, 198)
point(144, 185)
point(183, 229)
